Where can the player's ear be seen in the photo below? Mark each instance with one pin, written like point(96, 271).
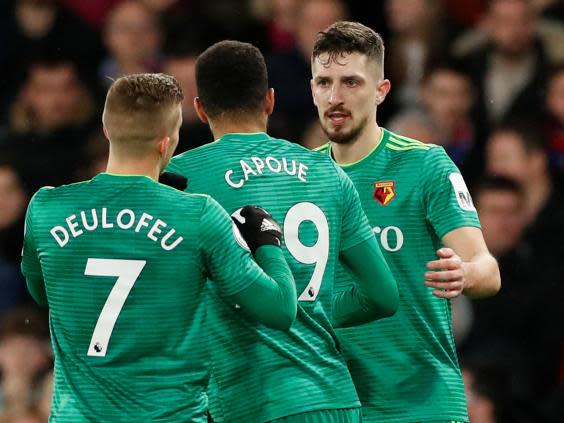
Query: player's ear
point(382, 90)
point(200, 110)
point(269, 104)
point(312, 92)
point(164, 145)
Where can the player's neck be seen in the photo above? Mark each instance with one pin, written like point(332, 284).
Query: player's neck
point(128, 166)
point(223, 127)
point(357, 150)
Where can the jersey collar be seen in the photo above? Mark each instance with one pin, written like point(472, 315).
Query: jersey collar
point(119, 178)
point(383, 141)
point(245, 136)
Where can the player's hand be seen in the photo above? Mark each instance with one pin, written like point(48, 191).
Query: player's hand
point(257, 227)
point(174, 180)
point(446, 274)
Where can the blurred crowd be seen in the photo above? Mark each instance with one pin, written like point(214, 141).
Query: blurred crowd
point(483, 78)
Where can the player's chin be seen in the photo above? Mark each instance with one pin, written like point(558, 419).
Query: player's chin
point(340, 136)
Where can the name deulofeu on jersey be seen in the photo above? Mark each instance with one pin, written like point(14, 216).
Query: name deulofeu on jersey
point(125, 219)
point(290, 167)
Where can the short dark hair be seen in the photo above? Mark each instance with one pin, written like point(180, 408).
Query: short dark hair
point(138, 106)
point(345, 37)
point(231, 78)
point(527, 130)
point(497, 183)
point(555, 71)
point(24, 321)
point(448, 66)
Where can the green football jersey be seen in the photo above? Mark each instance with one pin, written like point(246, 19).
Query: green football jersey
point(405, 367)
point(259, 374)
point(123, 273)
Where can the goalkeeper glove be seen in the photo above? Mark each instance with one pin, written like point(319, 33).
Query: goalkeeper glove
point(174, 180)
point(257, 227)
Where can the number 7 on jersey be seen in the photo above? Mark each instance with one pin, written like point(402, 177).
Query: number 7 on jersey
point(127, 272)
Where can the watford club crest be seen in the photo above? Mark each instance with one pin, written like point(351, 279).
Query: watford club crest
point(384, 192)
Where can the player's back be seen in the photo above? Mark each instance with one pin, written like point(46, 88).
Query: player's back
point(261, 374)
point(124, 279)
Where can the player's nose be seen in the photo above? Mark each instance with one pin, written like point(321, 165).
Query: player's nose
point(335, 96)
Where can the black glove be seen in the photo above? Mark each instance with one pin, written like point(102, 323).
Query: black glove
point(174, 180)
point(257, 227)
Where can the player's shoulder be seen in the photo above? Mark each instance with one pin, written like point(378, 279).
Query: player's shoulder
point(180, 198)
point(50, 193)
point(193, 154)
point(405, 145)
point(324, 148)
point(409, 148)
point(315, 155)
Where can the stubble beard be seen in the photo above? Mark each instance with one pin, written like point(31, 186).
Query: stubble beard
point(348, 137)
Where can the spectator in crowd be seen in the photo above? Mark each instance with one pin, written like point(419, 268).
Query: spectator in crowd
point(93, 12)
point(510, 70)
point(528, 296)
point(281, 25)
point(417, 124)
point(499, 201)
point(554, 125)
point(466, 13)
point(489, 388)
point(50, 118)
point(36, 27)
point(96, 155)
point(13, 202)
point(25, 415)
point(290, 72)
point(549, 28)
point(517, 150)
point(482, 394)
point(447, 95)
point(231, 19)
point(179, 20)
point(416, 39)
point(553, 9)
point(44, 396)
point(133, 38)
point(24, 357)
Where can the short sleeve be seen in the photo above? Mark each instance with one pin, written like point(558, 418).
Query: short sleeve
point(355, 226)
point(31, 266)
point(230, 265)
point(446, 198)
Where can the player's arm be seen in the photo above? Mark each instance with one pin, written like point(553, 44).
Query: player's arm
point(270, 299)
point(465, 266)
point(374, 294)
point(266, 293)
point(31, 267)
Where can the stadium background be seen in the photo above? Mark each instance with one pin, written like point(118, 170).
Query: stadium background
point(485, 79)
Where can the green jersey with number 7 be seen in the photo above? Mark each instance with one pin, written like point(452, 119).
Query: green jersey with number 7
point(260, 374)
point(123, 274)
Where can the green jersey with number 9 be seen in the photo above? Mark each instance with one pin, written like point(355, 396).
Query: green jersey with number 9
point(260, 374)
point(123, 274)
